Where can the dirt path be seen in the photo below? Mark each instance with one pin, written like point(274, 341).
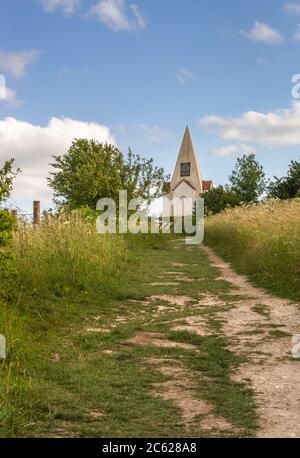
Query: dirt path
point(259, 327)
point(274, 375)
point(187, 348)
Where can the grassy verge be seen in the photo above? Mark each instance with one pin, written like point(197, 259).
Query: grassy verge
point(70, 369)
point(262, 241)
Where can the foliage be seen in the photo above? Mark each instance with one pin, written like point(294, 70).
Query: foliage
point(88, 214)
point(6, 227)
point(7, 175)
point(218, 199)
point(247, 185)
point(142, 178)
point(248, 179)
point(263, 241)
point(286, 187)
point(91, 170)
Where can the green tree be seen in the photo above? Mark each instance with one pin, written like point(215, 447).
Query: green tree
point(218, 199)
point(7, 176)
point(286, 187)
point(248, 179)
point(90, 170)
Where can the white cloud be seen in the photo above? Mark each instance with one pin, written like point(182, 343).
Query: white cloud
point(264, 33)
point(278, 128)
point(141, 22)
point(32, 146)
point(10, 98)
point(292, 8)
point(154, 133)
point(117, 16)
point(7, 95)
point(233, 149)
point(16, 63)
point(184, 76)
point(67, 6)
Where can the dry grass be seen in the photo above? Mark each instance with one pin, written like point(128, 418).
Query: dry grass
point(263, 241)
point(65, 256)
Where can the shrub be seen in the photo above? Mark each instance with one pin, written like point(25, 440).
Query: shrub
point(286, 187)
point(218, 199)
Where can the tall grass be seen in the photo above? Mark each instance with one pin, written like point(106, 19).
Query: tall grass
point(262, 241)
point(57, 267)
point(64, 257)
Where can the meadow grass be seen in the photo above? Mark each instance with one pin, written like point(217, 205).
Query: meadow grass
point(60, 379)
point(65, 256)
point(262, 241)
point(53, 265)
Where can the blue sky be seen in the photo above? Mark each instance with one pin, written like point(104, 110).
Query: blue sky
point(136, 72)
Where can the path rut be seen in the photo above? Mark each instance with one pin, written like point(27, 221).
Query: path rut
point(273, 373)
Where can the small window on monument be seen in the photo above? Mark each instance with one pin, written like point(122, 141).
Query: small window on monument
point(185, 169)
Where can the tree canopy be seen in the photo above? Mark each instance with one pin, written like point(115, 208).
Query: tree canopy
point(286, 187)
point(7, 176)
point(218, 199)
point(248, 179)
point(90, 170)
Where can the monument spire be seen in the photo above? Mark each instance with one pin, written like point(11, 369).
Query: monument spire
point(187, 166)
point(187, 181)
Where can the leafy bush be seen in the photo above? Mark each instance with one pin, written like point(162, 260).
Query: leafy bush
point(7, 176)
point(286, 187)
point(219, 199)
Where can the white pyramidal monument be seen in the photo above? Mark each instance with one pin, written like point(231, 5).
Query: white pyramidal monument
point(187, 181)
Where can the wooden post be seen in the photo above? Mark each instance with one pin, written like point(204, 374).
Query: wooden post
point(36, 212)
